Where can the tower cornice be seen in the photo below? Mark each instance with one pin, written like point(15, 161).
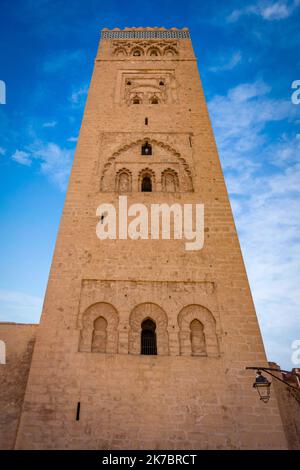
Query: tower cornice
point(145, 33)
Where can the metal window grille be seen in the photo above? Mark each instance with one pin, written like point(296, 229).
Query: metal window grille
point(148, 345)
point(146, 184)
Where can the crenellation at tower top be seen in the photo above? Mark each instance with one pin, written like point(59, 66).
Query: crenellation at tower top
point(145, 33)
point(148, 28)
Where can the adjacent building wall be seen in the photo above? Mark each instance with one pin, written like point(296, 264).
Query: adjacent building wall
point(289, 407)
point(19, 341)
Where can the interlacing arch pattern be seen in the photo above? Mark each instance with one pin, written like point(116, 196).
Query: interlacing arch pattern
point(146, 49)
point(139, 143)
point(120, 52)
point(197, 330)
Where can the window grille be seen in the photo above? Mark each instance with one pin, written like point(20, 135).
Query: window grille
point(146, 184)
point(148, 338)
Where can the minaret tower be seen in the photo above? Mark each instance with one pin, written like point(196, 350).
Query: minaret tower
point(143, 343)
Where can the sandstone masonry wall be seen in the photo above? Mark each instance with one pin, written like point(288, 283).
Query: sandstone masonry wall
point(19, 340)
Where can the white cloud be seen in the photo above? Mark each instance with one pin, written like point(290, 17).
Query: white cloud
point(24, 158)
point(19, 307)
point(274, 11)
point(235, 16)
point(72, 139)
point(247, 91)
point(227, 63)
point(285, 151)
point(2, 151)
point(78, 96)
point(50, 124)
point(267, 10)
point(269, 227)
point(54, 161)
point(239, 119)
point(263, 177)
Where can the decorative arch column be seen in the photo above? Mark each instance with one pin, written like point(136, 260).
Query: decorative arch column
point(169, 180)
point(124, 181)
point(205, 342)
point(93, 313)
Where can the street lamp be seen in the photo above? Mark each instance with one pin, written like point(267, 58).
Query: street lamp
point(262, 384)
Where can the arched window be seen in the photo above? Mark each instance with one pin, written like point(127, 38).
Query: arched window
point(169, 52)
point(146, 180)
point(136, 100)
point(148, 337)
point(169, 181)
point(146, 149)
point(161, 83)
point(99, 329)
point(146, 184)
point(154, 52)
point(137, 53)
point(124, 181)
point(154, 100)
point(197, 338)
point(120, 52)
point(99, 335)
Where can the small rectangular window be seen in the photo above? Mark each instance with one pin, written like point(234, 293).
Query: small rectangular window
point(146, 121)
point(78, 411)
point(146, 149)
point(190, 139)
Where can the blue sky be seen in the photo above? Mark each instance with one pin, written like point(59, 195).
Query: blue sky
point(248, 56)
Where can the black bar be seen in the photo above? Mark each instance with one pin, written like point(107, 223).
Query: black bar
point(78, 412)
point(101, 459)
